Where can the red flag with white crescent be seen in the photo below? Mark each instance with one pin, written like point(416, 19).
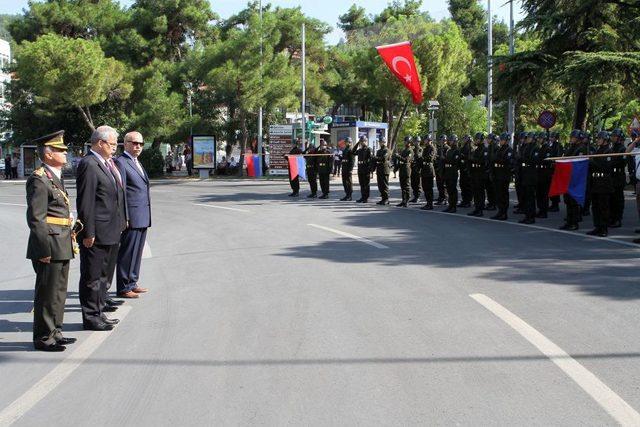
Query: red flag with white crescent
point(400, 60)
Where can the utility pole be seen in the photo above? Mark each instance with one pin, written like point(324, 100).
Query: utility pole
point(490, 67)
point(512, 50)
point(304, 85)
point(260, 110)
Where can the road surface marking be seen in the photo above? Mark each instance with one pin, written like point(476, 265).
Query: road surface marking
point(146, 251)
point(615, 406)
point(351, 236)
point(13, 204)
point(53, 379)
point(220, 207)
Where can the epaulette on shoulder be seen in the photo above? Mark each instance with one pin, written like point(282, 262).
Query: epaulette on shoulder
point(39, 171)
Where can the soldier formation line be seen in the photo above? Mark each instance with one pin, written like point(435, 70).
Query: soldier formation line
point(480, 171)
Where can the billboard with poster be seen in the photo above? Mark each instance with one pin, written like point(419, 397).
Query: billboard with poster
point(204, 151)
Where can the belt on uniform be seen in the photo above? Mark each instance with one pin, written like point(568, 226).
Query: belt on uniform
point(474, 165)
point(498, 165)
point(360, 162)
point(449, 166)
point(598, 175)
point(66, 222)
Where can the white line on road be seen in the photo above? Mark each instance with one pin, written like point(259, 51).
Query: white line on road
point(351, 236)
point(53, 379)
point(13, 204)
point(620, 410)
point(146, 251)
point(221, 207)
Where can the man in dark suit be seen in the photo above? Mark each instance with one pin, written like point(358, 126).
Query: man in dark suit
point(101, 208)
point(50, 246)
point(138, 204)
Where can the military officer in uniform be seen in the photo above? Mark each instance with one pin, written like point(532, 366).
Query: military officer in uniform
point(50, 246)
point(555, 151)
point(466, 192)
point(619, 178)
point(441, 148)
point(575, 148)
point(346, 163)
point(428, 172)
point(479, 166)
point(502, 171)
point(588, 144)
point(491, 145)
point(601, 171)
point(363, 153)
point(295, 183)
point(451, 167)
point(383, 156)
point(545, 173)
point(416, 170)
point(325, 163)
point(517, 172)
point(311, 168)
point(404, 159)
point(529, 175)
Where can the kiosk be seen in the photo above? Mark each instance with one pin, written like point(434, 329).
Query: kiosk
point(355, 129)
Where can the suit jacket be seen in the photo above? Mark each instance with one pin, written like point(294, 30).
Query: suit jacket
point(138, 200)
point(46, 196)
point(100, 202)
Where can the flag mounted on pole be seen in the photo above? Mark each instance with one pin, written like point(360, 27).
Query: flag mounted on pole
point(400, 60)
point(570, 177)
point(297, 167)
point(254, 166)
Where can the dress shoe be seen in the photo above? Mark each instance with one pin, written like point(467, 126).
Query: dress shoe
point(615, 224)
point(96, 326)
point(292, 194)
point(439, 202)
point(65, 340)
point(415, 199)
point(55, 347)
point(128, 294)
point(139, 290)
point(593, 232)
point(479, 214)
point(344, 199)
point(401, 205)
point(427, 207)
point(603, 233)
point(364, 200)
point(359, 201)
point(502, 217)
point(472, 213)
point(312, 196)
point(381, 202)
point(114, 303)
point(295, 195)
point(527, 221)
point(349, 199)
point(109, 309)
point(569, 227)
point(324, 196)
point(108, 321)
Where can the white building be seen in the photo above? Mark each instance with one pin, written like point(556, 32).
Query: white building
point(5, 60)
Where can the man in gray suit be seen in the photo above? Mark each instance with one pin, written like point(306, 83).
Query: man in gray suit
point(138, 204)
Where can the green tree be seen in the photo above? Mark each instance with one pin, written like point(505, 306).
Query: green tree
point(354, 19)
point(65, 72)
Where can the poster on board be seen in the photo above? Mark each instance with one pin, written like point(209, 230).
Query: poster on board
point(204, 152)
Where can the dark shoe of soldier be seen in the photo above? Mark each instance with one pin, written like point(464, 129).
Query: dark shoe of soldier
point(65, 341)
point(569, 227)
point(97, 326)
point(108, 321)
point(490, 208)
point(359, 200)
point(593, 232)
point(440, 201)
point(554, 208)
point(473, 212)
point(364, 200)
point(295, 195)
point(109, 309)
point(464, 205)
point(427, 207)
point(502, 217)
point(401, 205)
point(615, 224)
point(637, 241)
point(603, 233)
point(348, 199)
point(383, 202)
point(344, 199)
point(292, 194)
point(39, 345)
point(312, 196)
point(113, 302)
point(324, 196)
point(415, 199)
point(527, 221)
point(541, 215)
point(452, 209)
point(479, 214)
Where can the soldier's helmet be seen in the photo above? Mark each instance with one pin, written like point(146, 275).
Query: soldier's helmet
point(426, 138)
point(348, 140)
point(466, 138)
point(603, 134)
point(531, 135)
point(494, 137)
point(408, 139)
point(522, 135)
point(453, 137)
point(586, 135)
point(442, 138)
point(362, 139)
point(383, 140)
point(504, 136)
point(480, 136)
point(617, 132)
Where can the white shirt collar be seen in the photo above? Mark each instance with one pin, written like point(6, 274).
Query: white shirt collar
point(56, 171)
point(102, 159)
point(130, 156)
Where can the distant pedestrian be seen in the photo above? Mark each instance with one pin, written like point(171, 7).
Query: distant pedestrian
point(15, 160)
point(7, 167)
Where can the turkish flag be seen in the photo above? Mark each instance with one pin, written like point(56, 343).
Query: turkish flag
point(400, 60)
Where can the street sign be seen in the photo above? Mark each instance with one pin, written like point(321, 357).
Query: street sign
point(547, 119)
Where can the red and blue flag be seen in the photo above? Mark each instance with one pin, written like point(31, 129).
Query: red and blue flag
point(297, 167)
point(570, 177)
point(254, 166)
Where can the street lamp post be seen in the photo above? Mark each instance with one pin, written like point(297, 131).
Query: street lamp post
point(260, 109)
point(490, 66)
point(433, 122)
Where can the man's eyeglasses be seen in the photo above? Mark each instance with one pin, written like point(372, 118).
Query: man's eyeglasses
point(140, 143)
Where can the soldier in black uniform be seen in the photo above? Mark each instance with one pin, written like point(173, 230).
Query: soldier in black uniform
point(491, 146)
point(619, 178)
point(50, 246)
point(311, 167)
point(404, 159)
point(382, 159)
point(325, 166)
point(575, 148)
point(529, 162)
point(545, 173)
point(466, 192)
point(451, 167)
point(588, 144)
point(347, 162)
point(479, 166)
point(439, 166)
point(428, 172)
point(503, 163)
point(556, 150)
point(517, 171)
point(295, 183)
point(416, 170)
point(363, 151)
point(601, 173)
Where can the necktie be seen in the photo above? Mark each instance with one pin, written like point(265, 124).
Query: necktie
point(114, 171)
point(139, 166)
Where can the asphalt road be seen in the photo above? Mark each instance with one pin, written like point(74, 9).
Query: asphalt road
point(268, 310)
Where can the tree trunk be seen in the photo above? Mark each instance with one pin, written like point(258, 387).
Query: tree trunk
point(580, 117)
point(87, 118)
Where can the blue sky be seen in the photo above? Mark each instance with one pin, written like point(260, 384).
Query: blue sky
point(326, 10)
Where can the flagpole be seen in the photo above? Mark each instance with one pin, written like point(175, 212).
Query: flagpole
point(304, 84)
point(490, 67)
point(260, 109)
point(512, 51)
point(590, 156)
